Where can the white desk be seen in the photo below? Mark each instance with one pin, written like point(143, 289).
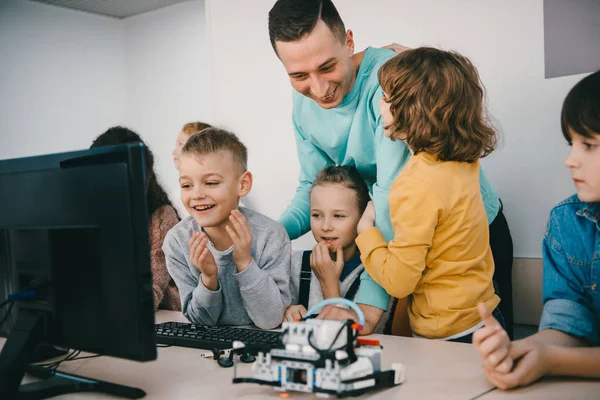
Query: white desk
point(434, 370)
point(551, 389)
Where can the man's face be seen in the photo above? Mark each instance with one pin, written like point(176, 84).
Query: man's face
point(320, 65)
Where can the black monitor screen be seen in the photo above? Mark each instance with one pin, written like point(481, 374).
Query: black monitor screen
point(75, 227)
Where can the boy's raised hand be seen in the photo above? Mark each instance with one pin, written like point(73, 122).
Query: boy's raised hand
point(241, 234)
point(203, 260)
point(294, 312)
point(532, 361)
point(367, 220)
point(492, 343)
point(327, 271)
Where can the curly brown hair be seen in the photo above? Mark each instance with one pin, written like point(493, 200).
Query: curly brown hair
point(436, 100)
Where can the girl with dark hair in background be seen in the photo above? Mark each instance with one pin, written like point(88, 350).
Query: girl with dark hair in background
point(161, 214)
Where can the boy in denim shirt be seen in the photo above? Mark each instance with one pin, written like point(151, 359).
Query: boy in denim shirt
point(571, 253)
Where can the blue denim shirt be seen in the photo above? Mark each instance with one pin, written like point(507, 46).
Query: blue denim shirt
point(571, 253)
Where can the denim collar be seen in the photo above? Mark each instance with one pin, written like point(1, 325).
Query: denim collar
point(590, 211)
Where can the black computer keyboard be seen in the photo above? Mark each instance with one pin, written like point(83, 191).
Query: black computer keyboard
point(214, 337)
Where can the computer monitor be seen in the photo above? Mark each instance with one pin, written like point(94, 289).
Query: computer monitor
point(75, 249)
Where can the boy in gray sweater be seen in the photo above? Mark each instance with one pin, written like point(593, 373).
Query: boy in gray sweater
point(231, 264)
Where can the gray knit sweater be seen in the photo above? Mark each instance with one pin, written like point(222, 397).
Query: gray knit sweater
point(258, 295)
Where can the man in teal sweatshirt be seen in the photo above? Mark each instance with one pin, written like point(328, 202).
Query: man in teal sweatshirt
point(336, 115)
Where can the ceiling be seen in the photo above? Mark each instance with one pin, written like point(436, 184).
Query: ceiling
point(112, 8)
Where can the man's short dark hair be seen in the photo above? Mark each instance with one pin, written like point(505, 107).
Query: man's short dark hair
point(291, 20)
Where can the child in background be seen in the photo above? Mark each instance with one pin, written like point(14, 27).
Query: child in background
point(188, 130)
point(231, 264)
point(338, 198)
point(162, 217)
point(440, 255)
point(571, 249)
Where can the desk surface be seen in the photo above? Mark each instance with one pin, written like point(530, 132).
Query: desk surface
point(434, 370)
point(550, 389)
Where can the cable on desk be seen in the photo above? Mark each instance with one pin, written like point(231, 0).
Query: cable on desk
point(72, 356)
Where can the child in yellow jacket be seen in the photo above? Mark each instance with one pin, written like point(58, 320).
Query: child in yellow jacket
point(440, 255)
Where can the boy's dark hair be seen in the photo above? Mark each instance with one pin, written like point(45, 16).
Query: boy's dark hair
point(156, 195)
point(350, 178)
point(193, 127)
point(213, 140)
point(581, 108)
point(436, 99)
point(291, 20)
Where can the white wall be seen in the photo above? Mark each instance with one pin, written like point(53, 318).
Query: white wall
point(66, 76)
point(252, 95)
point(62, 79)
point(168, 79)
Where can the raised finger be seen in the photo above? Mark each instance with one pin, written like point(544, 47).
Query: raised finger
point(237, 226)
point(243, 222)
point(233, 235)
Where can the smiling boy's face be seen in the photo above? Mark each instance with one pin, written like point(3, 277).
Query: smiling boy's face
point(211, 186)
point(584, 163)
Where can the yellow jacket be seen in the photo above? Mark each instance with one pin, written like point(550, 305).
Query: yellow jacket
point(440, 254)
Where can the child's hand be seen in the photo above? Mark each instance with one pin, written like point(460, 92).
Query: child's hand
point(203, 260)
point(492, 343)
point(372, 316)
point(337, 313)
point(367, 220)
point(241, 234)
point(327, 271)
point(532, 362)
point(294, 312)
point(398, 48)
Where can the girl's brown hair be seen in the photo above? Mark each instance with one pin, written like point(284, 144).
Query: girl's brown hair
point(436, 100)
point(349, 177)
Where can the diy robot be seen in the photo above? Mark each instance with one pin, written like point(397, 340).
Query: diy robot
point(322, 356)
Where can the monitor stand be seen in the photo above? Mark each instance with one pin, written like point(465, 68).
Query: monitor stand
point(14, 362)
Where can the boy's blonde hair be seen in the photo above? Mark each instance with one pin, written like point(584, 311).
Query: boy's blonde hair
point(213, 140)
point(436, 100)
